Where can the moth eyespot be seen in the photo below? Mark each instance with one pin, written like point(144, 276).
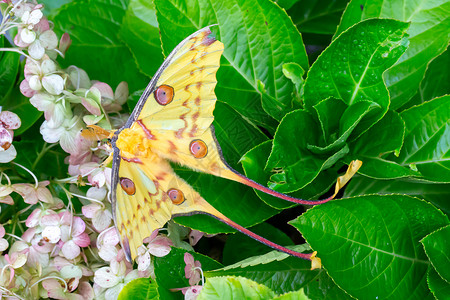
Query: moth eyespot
point(176, 196)
point(164, 94)
point(198, 148)
point(127, 185)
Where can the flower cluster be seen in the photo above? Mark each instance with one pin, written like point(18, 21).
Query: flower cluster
point(53, 248)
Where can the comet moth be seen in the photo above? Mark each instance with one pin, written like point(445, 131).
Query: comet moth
point(172, 121)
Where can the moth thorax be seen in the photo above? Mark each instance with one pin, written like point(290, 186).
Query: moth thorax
point(134, 142)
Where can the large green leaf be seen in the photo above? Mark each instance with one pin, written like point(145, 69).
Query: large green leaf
point(384, 137)
point(278, 271)
point(429, 35)
point(94, 28)
point(51, 6)
point(438, 194)
point(438, 286)
point(323, 287)
point(370, 244)
point(141, 34)
point(427, 139)
point(259, 38)
point(435, 83)
point(140, 289)
point(19, 104)
point(437, 248)
point(351, 67)
point(9, 69)
point(350, 118)
point(234, 288)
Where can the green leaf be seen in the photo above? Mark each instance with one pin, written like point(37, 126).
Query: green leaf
point(317, 16)
point(9, 69)
point(96, 47)
point(235, 134)
point(140, 289)
point(44, 160)
point(239, 246)
point(279, 271)
point(350, 118)
point(51, 6)
point(323, 287)
point(438, 286)
point(297, 295)
point(437, 248)
point(429, 36)
point(140, 33)
point(377, 236)
point(294, 163)
point(427, 139)
point(294, 72)
point(435, 83)
point(169, 271)
point(384, 137)
point(351, 67)
point(437, 194)
point(234, 288)
point(253, 163)
point(259, 37)
point(20, 105)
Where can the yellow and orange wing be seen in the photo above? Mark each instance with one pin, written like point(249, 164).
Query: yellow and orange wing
point(147, 194)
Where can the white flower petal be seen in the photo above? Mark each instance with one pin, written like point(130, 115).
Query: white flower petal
point(19, 261)
point(51, 234)
point(48, 66)
point(71, 271)
point(107, 253)
point(35, 83)
point(105, 278)
point(50, 134)
point(70, 250)
point(35, 17)
point(96, 193)
point(27, 36)
point(36, 50)
point(10, 120)
point(8, 155)
point(3, 245)
point(144, 261)
point(102, 220)
point(49, 40)
point(114, 292)
point(54, 84)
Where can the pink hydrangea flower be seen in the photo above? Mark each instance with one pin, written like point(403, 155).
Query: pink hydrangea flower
point(100, 214)
point(107, 243)
point(114, 278)
point(192, 269)
point(3, 243)
point(34, 246)
point(64, 133)
point(31, 194)
point(158, 245)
